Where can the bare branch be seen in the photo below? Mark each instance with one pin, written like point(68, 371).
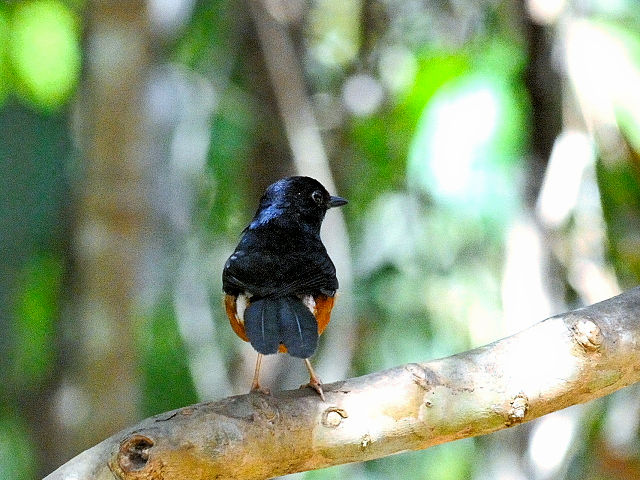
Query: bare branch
point(564, 360)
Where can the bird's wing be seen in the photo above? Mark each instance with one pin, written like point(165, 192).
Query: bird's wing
point(278, 276)
point(311, 275)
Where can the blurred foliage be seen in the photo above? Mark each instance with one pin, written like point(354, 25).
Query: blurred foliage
point(37, 309)
point(39, 67)
point(210, 46)
point(450, 461)
point(166, 381)
point(232, 129)
point(620, 188)
point(333, 31)
point(16, 450)
point(434, 169)
point(4, 48)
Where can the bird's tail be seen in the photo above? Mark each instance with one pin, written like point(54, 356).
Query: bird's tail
point(269, 322)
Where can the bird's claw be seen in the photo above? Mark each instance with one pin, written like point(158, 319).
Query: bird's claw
point(259, 389)
point(317, 386)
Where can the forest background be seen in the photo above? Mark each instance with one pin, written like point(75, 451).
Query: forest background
point(490, 151)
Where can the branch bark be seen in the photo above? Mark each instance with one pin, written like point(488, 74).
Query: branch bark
point(564, 360)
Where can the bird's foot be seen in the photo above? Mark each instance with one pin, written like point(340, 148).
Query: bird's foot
point(314, 381)
point(316, 385)
point(259, 389)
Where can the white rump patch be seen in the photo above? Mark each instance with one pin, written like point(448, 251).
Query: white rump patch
point(309, 302)
point(241, 305)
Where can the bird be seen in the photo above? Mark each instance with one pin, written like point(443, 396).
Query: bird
point(280, 283)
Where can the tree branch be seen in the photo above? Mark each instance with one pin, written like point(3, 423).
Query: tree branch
point(564, 360)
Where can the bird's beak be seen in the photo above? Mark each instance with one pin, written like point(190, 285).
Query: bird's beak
point(336, 202)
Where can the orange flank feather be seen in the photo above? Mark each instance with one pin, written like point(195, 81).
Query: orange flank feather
point(236, 324)
point(322, 312)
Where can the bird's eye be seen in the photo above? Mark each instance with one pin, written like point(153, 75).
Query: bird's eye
point(317, 197)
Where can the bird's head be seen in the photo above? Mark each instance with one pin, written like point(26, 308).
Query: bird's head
point(299, 200)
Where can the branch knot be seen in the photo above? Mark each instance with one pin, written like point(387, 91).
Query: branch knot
point(587, 334)
point(518, 410)
point(134, 453)
point(332, 417)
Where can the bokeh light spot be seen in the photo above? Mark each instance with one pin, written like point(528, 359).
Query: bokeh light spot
point(362, 94)
point(398, 68)
point(45, 52)
point(550, 441)
point(463, 125)
point(464, 146)
point(456, 127)
point(334, 31)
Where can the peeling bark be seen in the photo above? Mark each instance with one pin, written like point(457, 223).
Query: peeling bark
point(564, 360)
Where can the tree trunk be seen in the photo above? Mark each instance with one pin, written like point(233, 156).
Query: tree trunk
point(100, 394)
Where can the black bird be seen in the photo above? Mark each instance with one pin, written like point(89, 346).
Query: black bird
point(280, 282)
